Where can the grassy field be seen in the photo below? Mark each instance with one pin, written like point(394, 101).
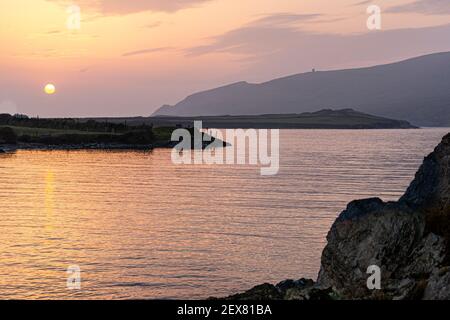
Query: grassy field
point(163, 133)
point(160, 133)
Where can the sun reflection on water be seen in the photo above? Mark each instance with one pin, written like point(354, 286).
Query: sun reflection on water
point(49, 200)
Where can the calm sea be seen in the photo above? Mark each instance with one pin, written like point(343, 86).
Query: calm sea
point(140, 227)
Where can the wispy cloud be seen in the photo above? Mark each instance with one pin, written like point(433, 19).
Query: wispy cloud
point(363, 3)
point(145, 51)
point(258, 34)
point(53, 32)
point(432, 7)
point(153, 25)
point(281, 44)
point(123, 7)
point(283, 19)
point(85, 69)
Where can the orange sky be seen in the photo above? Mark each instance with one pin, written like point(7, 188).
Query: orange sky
point(130, 57)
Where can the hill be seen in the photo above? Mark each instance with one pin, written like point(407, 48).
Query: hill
point(416, 90)
point(324, 119)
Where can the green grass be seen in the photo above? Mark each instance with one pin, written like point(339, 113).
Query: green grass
point(160, 134)
point(163, 133)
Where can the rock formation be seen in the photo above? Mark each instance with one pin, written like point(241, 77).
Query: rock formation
point(408, 240)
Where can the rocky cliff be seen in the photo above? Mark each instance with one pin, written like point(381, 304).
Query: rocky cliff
point(408, 240)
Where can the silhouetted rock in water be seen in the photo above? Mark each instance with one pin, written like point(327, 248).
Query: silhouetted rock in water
point(408, 240)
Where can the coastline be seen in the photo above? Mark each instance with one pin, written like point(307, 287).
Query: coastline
point(98, 146)
point(405, 243)
point(323, 119)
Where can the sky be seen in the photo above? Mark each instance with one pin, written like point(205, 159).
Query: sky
point(127, 58)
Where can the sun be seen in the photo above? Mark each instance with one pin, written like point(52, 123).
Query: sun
point(50, 89)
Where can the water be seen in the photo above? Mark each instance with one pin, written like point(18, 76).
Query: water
point(140, 227)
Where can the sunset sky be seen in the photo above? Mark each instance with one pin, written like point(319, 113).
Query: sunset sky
point(130, 57)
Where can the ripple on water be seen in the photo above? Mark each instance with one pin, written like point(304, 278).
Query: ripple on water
point(140, 227)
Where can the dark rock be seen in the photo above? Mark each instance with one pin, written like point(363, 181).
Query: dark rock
point(301, 284)
point(429, 193)
point(368, 232)
point(438, 287)
point(303, 289)
point(428, 254)
point(408, 240)
point(262, 292)
point(310, 293)
point(404, 289)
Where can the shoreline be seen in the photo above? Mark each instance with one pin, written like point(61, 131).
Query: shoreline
point(87, 146)
point(6, 148)
point(322, 119)
point(405, 244)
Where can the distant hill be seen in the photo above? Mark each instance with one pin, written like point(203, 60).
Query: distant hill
point(417, 90)
point(324, 119)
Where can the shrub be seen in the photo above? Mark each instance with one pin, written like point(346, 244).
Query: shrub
point(8, 136)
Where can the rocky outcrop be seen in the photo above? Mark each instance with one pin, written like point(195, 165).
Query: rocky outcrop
point(429, 193)
point(368, 233)
point(438, 287)
point(303, 289)
point(408, 240)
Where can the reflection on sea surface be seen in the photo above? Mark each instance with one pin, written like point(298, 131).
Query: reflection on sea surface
point(140, 227)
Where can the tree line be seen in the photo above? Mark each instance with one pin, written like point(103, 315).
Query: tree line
point(70, 124)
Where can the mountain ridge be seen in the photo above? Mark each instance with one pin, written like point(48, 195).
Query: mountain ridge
point(415, 89)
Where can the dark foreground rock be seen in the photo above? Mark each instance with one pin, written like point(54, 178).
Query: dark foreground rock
point(408, 240)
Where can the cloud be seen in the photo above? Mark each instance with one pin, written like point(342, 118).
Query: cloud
point(145, 51)
point(123, 7)
point(432, 7)
point(283, 19)
point(279, 45)
point(363, 3)
point(153, 25)
point(257, 35)
point(54, 32)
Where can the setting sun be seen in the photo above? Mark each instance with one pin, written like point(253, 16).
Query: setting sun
point(50, 89)
point(200, 152)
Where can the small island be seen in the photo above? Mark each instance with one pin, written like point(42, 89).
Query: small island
point(323, 119)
